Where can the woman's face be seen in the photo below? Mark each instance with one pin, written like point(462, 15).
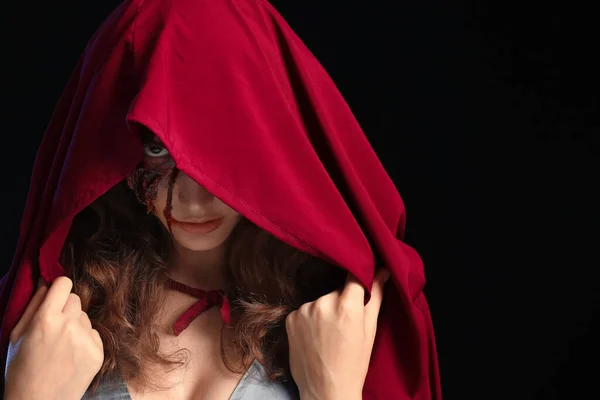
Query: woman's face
point(197, 220)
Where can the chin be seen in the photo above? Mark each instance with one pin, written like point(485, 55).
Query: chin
point(198, 242)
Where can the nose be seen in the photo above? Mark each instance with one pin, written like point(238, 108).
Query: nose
point(190, 194)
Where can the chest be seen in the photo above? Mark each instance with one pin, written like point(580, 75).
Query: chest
point(204, 376)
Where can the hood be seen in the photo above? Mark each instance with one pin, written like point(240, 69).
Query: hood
point(247, 111)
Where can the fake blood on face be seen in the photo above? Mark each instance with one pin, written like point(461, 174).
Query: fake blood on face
point(169, 205)
point(148, 174)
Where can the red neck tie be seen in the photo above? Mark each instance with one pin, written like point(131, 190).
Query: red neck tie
point(207, 299)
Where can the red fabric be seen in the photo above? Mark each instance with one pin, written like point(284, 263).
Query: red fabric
point(207, 300)
point(247, 111)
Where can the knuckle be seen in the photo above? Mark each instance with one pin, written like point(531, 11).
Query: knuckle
point(97, 355)
point(347, 309)
point(289, 320)
point(72, 328)
point(75, 301)
point(98, 337)
point(75, 298)
point(85, 319)
point(96, 333)
point(305, 309)
point(46, 323)
point(323, 310)
point(319, 307)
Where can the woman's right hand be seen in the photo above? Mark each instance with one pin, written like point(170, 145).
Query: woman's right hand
point(54, 353)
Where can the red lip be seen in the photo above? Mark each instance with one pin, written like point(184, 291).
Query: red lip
point(198, 227)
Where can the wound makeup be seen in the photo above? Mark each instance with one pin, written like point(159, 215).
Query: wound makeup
point(144, 184)
point(145, 179)
point(169, 205)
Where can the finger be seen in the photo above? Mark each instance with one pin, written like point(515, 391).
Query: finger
point(72, 307)
point(57, 296)
point(97, 338)
point(85, 320)
point(353, 290)
point(30, 311)
point(374, 305)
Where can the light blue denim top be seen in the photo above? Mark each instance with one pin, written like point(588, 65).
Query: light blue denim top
point(254, 385)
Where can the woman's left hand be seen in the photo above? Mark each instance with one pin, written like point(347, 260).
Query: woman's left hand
point(331, 340)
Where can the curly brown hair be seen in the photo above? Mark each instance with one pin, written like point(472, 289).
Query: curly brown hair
point(116, 255)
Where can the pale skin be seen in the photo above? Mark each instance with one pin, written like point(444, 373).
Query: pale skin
point(54, 352)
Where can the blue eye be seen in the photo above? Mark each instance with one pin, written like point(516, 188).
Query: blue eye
point(152, 150)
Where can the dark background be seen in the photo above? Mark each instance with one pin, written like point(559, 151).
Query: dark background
point(486, 117)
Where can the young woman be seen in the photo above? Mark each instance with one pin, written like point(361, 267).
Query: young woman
point(209, 199)
point(136, 272)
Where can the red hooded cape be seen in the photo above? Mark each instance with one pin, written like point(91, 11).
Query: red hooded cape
point(248, 112)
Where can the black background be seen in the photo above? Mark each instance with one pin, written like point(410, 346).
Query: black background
point(485, 116)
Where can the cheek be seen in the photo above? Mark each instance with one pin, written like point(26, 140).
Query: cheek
point(234, 215)
point(233, 218)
